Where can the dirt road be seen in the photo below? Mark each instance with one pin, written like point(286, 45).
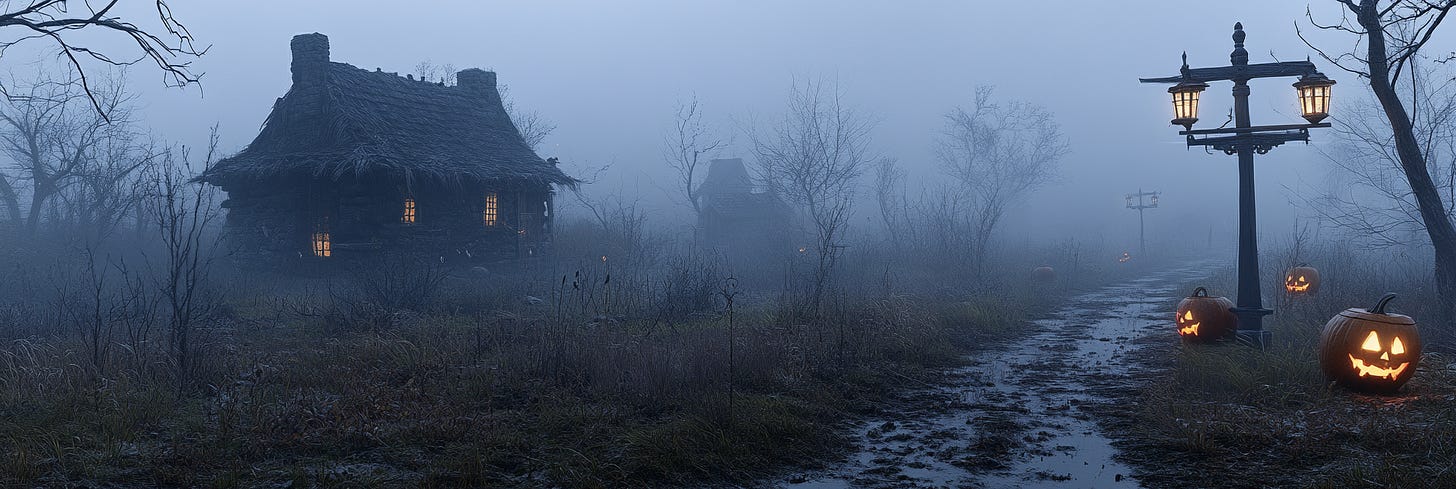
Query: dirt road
point(1015, 416)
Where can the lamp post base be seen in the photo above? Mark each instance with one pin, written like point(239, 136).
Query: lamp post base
point(1256, 338)
point(1251, 327)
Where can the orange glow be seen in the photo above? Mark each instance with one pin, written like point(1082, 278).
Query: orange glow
point(1292, 285)
point(1188, 329)
point(489, 215)
point(322, 247)
point(409, 211)
point(1374, 371)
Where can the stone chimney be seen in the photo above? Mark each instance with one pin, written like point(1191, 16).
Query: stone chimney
point(310, 58)
point(476, 80)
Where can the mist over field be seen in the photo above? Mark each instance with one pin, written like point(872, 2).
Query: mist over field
point(727, 244)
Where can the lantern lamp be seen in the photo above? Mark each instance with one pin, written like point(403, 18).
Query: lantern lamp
point(1185, 102)
point(1314, 96)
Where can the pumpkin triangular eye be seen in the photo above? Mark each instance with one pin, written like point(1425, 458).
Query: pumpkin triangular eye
point(1301, 278)
point(1372, 342)
point(1396, 347)
point(1188, 316)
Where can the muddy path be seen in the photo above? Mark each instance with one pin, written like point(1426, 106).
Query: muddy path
point(1021, 413)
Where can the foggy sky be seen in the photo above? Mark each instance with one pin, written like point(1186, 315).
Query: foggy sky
point(608, 74)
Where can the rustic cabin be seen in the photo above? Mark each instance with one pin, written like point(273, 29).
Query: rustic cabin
point(351, 163)
point(737, 215)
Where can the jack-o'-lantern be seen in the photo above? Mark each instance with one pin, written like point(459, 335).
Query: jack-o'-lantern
point(1124, 258)
point(1043, 274)
point(1302, 280)
point(1204, 318)
point(1369, 350)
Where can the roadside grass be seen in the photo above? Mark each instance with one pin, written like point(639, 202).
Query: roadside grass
point(472, 394)
point(1250, 418)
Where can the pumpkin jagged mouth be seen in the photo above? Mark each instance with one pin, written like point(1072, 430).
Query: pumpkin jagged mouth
point(1297, 288)
point(1374, 371)
point(1189, 330)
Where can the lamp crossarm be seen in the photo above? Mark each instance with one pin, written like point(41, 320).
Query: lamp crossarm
point(1260, 142)
point(1255, 129)
point(1246, 72)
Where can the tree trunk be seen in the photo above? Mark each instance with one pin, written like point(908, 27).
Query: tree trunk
point(10, 201)
point(43, 192)
point(1412, 159)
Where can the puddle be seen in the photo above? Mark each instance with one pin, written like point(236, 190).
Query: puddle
point(1014, 416)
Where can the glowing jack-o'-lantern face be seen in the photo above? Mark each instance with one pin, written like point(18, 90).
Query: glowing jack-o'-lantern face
point(1124, 258)
point(1384, 366)
point(1368, 350)
point(1301, 280)
point(1201, 318)
point(1187, 325)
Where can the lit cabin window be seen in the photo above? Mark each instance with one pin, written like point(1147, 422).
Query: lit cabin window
point(409, 211)
point(321, 244)
point(490, 214)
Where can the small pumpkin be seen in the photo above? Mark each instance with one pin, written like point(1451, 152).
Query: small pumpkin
point(1204, 318)
point(1302, 280)
point(1369, 350)
point(1043, 274)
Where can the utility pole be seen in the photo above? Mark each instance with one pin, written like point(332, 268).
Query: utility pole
point(1151, 203)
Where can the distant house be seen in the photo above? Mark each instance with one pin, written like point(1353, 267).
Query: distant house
point(734, 213)
point(353, 162)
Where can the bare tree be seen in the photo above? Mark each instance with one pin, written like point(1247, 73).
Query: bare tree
point(52, 138)
point(684, 146)
point(814, 157)
point(533, 126)
point(1367, 195)
point(890, 195)
point(1393, 33)
point(998, 153)
point(184, 213)
point(442, 74)
point(52, 20)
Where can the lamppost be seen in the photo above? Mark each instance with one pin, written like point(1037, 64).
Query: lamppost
point(1313, 89)
point(1152, 203)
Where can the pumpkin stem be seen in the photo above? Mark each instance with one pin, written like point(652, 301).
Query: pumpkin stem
point(1200, 292)
point(1380, 306)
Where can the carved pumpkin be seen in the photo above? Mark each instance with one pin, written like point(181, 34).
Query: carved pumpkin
point(1302, 280)
point(1043, 274)
point(1368, 350)
point(1204, 318)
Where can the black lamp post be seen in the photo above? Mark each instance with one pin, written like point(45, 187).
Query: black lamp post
point(1136, 202)
point(1245, 140)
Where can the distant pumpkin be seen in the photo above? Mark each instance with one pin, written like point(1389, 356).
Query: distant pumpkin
point(1125, 257)
point(1202, 318)
point(1369, 350)
point(1043, 274)
point(1302, 280)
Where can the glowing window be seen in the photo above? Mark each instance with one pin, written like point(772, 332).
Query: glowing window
point(489, 216)
point(321, 244)
point(409, 211)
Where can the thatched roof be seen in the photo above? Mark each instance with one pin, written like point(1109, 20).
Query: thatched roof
point(337, 120)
